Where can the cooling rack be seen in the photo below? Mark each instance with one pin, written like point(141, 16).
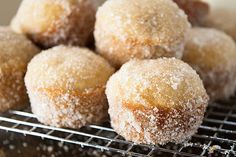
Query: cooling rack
point(215, 137)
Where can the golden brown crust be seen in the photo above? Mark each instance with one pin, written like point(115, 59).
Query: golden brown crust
point(140, 29)
point(67, 89)
point(156, 101)
point(212, 54)
point(163, 124)
point(72, 109)
point(15, 53)
point(12, 93)
point(54, 22)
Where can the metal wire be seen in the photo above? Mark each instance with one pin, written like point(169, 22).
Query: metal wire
point(216, 136)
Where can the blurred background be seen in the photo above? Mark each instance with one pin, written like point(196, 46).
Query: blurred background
point(8, 9)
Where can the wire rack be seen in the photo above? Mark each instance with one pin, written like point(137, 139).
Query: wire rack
point(215, 137)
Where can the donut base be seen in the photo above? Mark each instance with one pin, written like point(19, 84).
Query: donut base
point(155, 125)
point(73, 109)
point(220, 84)
point(12, 91)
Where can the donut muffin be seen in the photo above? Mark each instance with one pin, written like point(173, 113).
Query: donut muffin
point(15, 53)
point(53, 22)
point(141, 29)
point(212, 54)
point(222, 16)
point(156, 101)
point(66, 87)
point(197, 10)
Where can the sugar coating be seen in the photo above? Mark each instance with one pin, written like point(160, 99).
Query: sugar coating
point(15, 53)
point(212, 54)
point(142, 29)
point(156, 101)
point(54, 22)
point(66, 86)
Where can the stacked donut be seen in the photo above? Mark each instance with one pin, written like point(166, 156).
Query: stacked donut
point(167, 70)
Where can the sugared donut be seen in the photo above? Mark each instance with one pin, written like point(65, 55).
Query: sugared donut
point(197, 10)
point(141, 29)
point(222, 16)
point(212, 54)
point(54, 22)
point(66, 86)
point(156, 101)
point(15, 53)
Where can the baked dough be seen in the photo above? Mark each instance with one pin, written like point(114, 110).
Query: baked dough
point(156, 101)
point(66, 87)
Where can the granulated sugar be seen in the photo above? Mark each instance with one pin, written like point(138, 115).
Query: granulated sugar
point(156, 101)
